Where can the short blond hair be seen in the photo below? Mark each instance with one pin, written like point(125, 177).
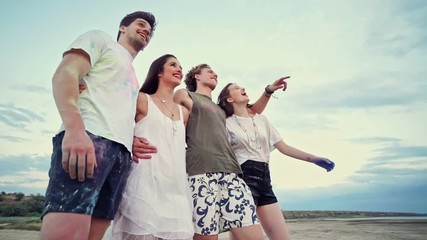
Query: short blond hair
point(190, 77)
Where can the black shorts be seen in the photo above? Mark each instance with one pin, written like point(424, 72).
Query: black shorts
point(98, 196)
point(257, 176)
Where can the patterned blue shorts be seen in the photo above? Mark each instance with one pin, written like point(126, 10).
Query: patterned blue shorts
point(98, 196)
point(221, 201)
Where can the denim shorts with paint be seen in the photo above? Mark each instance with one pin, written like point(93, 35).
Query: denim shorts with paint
point(98, 196)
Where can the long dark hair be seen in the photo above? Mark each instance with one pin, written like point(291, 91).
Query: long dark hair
point(223, 103)
point(151, 82)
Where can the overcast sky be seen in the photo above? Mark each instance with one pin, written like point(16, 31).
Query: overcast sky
point(357, 92)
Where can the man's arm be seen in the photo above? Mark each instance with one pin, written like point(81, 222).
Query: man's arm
point(261, 103)
point(182, 98)
point(78, 153)
point(141, 148)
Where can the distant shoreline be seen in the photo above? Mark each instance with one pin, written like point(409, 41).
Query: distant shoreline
point(390, 218)
point(346, 214)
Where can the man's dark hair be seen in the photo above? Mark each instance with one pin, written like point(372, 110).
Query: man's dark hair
point(130, 18)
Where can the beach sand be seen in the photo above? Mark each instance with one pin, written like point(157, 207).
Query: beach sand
point(315, 230)
point(359, 229)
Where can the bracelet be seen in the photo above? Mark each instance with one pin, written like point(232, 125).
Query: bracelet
point(268, 91)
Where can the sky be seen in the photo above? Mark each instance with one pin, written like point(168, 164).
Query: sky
point(357, 93)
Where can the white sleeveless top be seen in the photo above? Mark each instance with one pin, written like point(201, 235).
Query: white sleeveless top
point(157, 198)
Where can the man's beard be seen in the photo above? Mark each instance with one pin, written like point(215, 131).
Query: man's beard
point(137, 44)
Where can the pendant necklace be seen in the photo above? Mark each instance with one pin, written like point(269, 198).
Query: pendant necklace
point(166, 106)
point(253, 138)
point(174, 127)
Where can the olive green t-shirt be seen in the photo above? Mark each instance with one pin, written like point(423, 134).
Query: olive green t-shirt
point(208, 149)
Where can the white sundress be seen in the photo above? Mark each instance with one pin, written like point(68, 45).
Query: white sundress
point(157, 199)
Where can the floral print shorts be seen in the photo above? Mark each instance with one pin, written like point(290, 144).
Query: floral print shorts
point(221, 201)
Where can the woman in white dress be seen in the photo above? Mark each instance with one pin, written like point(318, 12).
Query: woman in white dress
point(156, 203)
point(252, 138)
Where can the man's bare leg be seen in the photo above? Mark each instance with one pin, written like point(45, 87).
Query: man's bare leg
point(65, 226)
point(253, 232)
point(98, 227)
point(205, 237)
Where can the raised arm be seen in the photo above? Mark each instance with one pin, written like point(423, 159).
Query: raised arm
point(301, 155)
point(261, 103)
point(182, 98)
point(141, 148)
point(78, 152)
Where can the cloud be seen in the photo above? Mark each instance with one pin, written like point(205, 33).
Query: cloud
point(24, 173)
point(49, 132)
point(18, 117)
point(14, 138)
point(21, 183)
point(31, 89)
point(407, 197)
point(402, 152)
point(392, 150)
point(395, 179)
point(396, 171)
point(14, 164)
point(401, 32)
point(390, 187)
point(373, 90)
point(370, 140)
point(392, 161)
point(379, 173)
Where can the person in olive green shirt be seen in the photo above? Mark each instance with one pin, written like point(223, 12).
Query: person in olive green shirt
point(221, 199)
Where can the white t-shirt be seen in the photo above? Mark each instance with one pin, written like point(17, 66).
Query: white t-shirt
point(108, 105)
point(252, 138)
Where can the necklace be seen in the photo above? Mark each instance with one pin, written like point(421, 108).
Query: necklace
point(166, 106)
point(174, 126)
point(254, 138)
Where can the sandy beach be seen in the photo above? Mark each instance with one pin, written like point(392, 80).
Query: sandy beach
point(359, 229)
point(391, 229)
